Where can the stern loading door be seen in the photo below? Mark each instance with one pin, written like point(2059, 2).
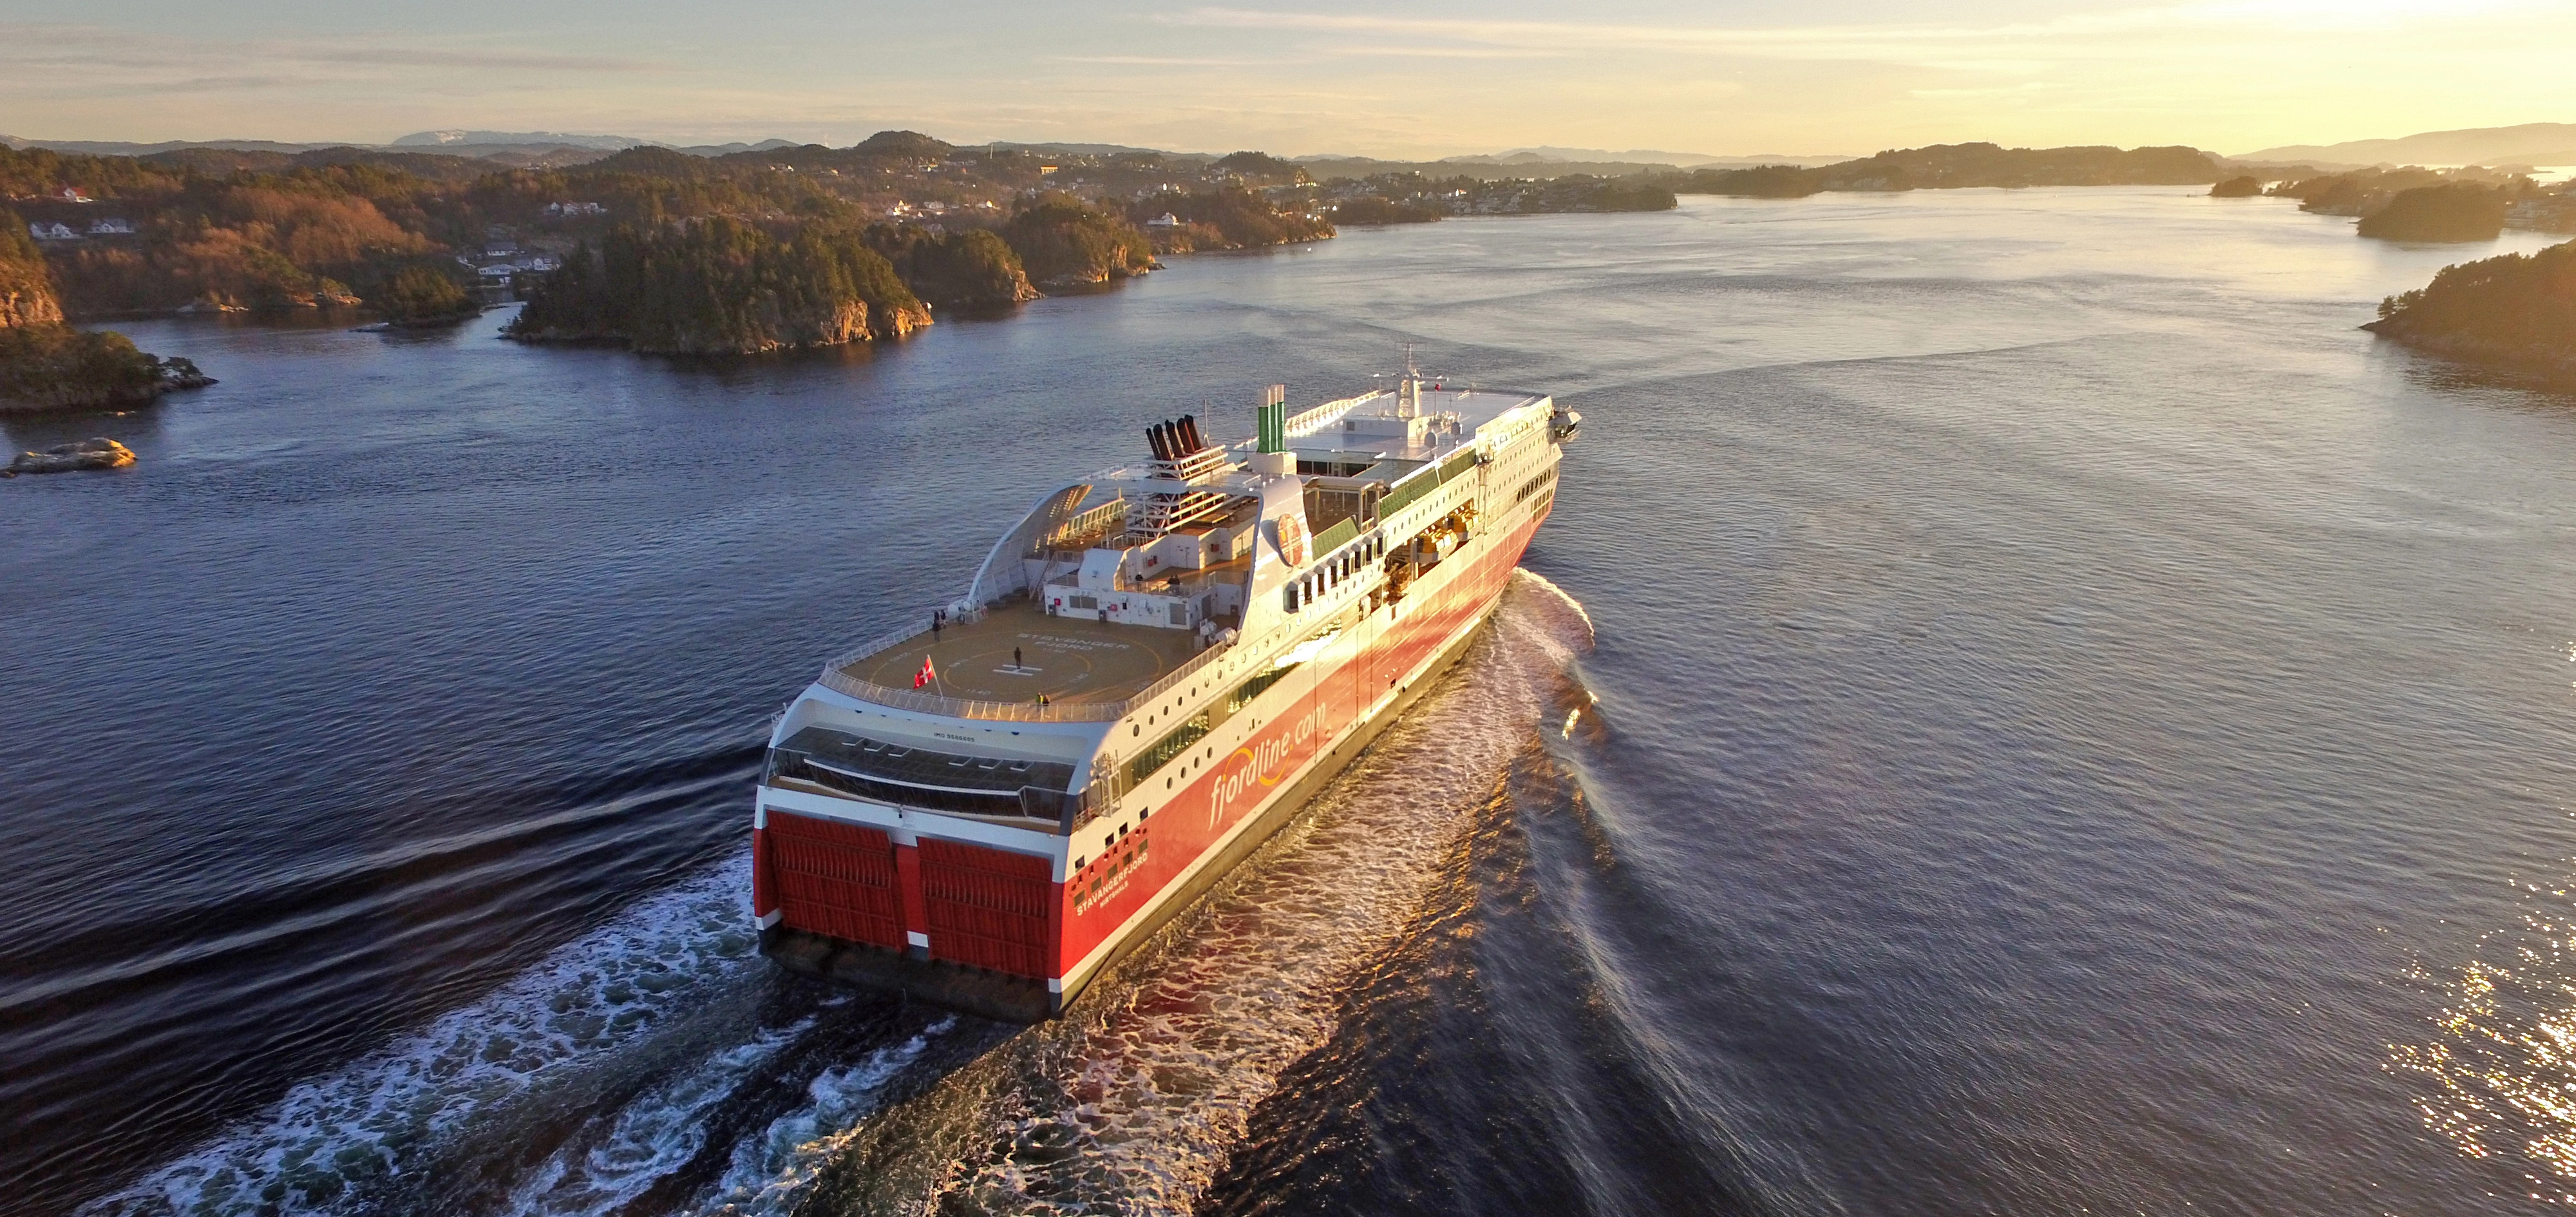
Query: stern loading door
point(988, 908)
point(834, 879)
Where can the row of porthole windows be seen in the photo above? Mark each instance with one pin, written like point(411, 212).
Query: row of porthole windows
point(1137, 729)
point(1111, 840)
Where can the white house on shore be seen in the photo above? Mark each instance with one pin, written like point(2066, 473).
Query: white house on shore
point(52, 232)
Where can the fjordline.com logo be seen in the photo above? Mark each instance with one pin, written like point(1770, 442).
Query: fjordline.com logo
point(1263, 764)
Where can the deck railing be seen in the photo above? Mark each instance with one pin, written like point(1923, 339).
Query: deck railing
point(836, 678)
point(1088, 525)
point(1306, 422)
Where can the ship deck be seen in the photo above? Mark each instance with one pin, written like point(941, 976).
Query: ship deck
point(1069, 659)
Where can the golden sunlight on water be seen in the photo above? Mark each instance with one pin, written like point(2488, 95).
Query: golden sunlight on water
point(2499, 1074)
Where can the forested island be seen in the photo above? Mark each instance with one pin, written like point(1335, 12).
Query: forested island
point(665, 250)
point(2396, 204)
point(2515, 311)
point(720, 286)
point(46, 364)
point(815, 232)
point(1951, 166)
point(2454, 211)
point(2417, 204)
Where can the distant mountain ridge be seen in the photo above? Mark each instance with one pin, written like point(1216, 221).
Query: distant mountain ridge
point(434, 139)
point(1649, 156)
point(556, 148)
point(2527, 144)
point(513, 147)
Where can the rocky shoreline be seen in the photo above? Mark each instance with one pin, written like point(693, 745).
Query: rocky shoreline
point(2548, 364)
point(2513, 313)
point(65, 394)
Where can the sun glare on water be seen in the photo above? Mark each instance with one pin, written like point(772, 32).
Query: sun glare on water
point(2499, 1074)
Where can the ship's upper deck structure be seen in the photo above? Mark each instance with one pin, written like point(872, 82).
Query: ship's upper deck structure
point(1113, 589)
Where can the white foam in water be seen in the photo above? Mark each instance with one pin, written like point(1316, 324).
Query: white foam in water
point(656, 1134)
point(1162, 1078)
point(770, 1172)
point(335, 1143)
point(1158, 1082)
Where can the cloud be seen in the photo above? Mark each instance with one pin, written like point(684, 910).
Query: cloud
point(1449, 52)
point(1171, 61)
point(2119, 32)
point(62, 46)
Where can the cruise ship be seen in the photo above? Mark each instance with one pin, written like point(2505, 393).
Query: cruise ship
point(1149, 674)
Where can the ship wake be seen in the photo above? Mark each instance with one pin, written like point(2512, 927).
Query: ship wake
point(1133, 1102)
point(659, 1065)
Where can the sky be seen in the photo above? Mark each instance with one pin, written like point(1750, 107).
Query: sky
point(1817, 77)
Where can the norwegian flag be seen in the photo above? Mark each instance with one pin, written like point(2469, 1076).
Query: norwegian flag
point(926, 675)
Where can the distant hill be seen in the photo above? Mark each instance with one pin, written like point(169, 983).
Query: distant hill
point(1650, 156)
point(605, 143)
point(1950, 166)
point(2528, 144)
point(543, 149)
point(94, 147)
point(1544, 163)
point(1093, 150)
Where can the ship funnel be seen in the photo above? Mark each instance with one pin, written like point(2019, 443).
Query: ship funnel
point(1274, 420)
point(1154, 437)
point(1190, 434)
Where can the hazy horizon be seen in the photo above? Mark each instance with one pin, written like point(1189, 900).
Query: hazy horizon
point(1832, 77)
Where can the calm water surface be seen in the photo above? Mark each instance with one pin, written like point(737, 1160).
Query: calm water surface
point(2061, 723)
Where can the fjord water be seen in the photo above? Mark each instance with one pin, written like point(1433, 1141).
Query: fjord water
point(2024, 709)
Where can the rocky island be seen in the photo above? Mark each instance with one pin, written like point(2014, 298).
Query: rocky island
point(46, 364)
point(720, 286)
point(100, 453)
point(2513, 312)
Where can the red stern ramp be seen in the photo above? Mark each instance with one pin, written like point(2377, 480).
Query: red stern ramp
point(989, 908)
point(849, 900)
point(833, 879)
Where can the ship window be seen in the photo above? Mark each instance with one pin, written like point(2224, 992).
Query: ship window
point(1243, 695)
point(1162, 751)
